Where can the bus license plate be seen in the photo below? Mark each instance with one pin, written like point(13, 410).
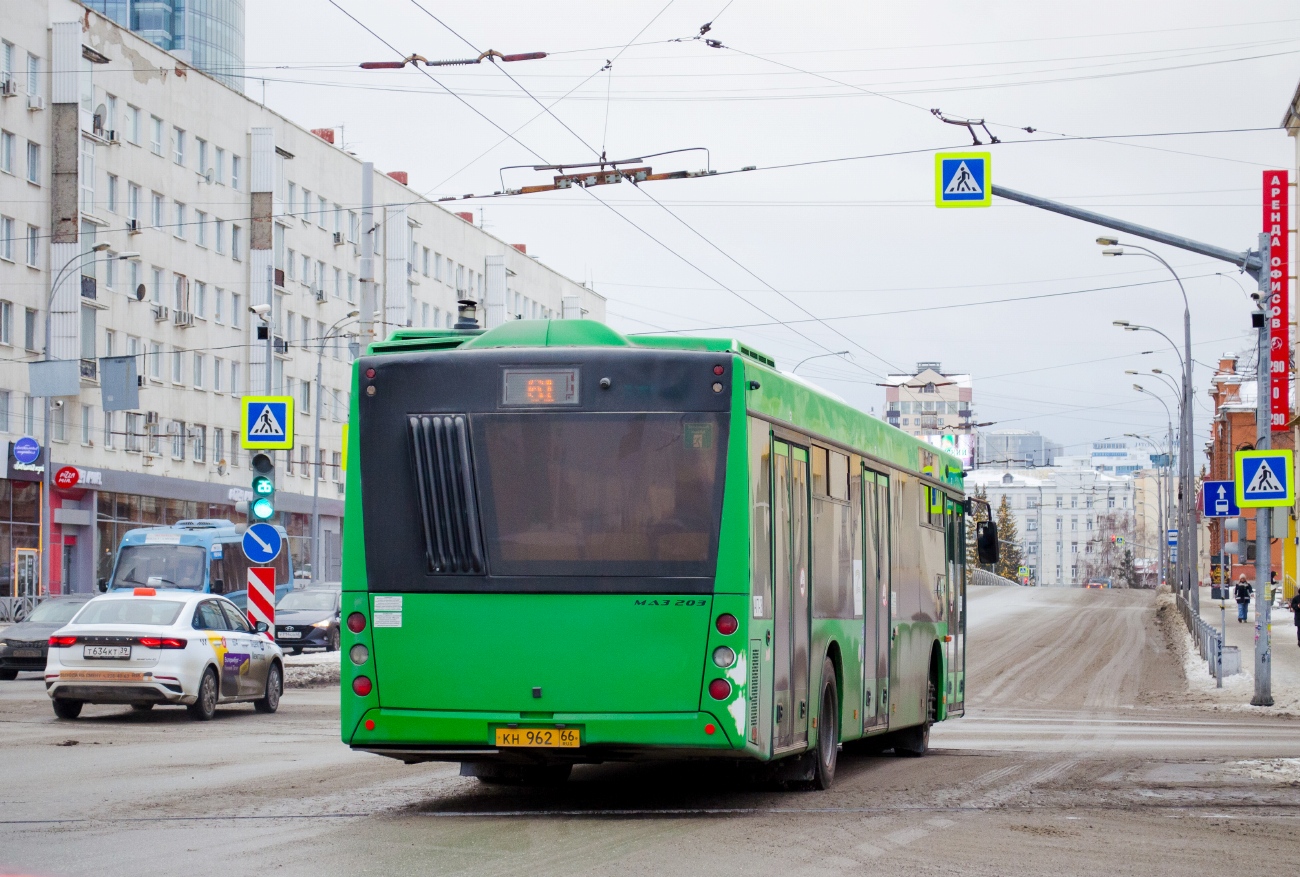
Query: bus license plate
point(118, 652)
point(542, 738)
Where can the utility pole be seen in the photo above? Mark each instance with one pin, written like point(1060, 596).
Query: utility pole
point(367, 254)
point(1263, 516)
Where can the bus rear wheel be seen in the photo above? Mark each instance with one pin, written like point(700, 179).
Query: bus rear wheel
point(828, 730)
point(915, 742)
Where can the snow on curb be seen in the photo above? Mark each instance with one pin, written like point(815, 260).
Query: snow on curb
point(1237, 689)
point(311, 670)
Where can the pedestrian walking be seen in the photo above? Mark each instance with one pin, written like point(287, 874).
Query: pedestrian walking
point(1243, 593)
point(1295, 610)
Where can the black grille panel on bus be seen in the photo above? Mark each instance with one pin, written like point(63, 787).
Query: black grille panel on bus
point(445, 484)
point(753, 695)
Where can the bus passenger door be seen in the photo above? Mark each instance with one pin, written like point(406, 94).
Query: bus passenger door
point(875, 534)
point(790, 598)
point(957, 612)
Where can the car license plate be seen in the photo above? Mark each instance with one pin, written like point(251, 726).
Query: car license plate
point(27, 653)
point(289, 634)
point(543, 738)
point(115, 652)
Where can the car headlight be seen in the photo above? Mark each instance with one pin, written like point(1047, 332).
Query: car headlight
point(325, 623)
point(3, 644)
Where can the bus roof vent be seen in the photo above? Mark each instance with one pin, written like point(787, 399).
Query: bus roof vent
point(757, 356)
point(204, 523)
point(444, 477)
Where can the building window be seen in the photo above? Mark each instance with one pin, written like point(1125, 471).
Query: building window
point(156, 210)
point(1074, 523)
point(178, 366)
point(58, 423)
point(6, 238)
point(352, 288)
point(220, 236)
point(236, 166)
point(112, 193)
point(33, 163)
point(218, 445)
point(217, 364)
point(33, 247)
point(198, 370)
point(177, 430)
point(235, 385)
point(220, 166)
point(155, 360)
point(179, 230)
point(7, 141)
point(132, 202)
point(1074, 548)
point(236, 242)
point(336, 465)
point(107, 441)
point(203, 155)
point(86, 175)
point(200, 302)
point(236, 309)
point(33, 74)
point(156, 135)
point(201, 226)
point(6, 322)
point(85, 424)
point(199, 436)
point(1032, 525)
point(1058, 524)
point(218, 305)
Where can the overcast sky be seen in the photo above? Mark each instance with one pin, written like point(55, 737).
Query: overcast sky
point(853, 249)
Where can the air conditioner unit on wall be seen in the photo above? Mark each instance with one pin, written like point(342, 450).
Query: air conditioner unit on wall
point(111, 137)
point(161, 313)
point(35, 102)
point(150, 417)
point(184, 319)
point(133, 226)
point(8, 87)
point(338, 238)
point(320, 293)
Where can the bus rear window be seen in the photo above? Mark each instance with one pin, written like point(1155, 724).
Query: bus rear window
point(600, 494)
point(161, 566)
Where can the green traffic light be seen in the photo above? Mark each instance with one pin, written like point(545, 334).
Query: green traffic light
point(263, 486)
point(262, 509)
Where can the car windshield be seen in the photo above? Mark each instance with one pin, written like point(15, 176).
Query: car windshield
point(161, 566)
point(55, 611)
point(159, 613)
point(312, 601)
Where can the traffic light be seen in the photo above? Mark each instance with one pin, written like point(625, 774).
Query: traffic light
point(262, 506)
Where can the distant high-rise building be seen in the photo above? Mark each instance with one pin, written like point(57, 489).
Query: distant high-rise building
point(206, 33)
point(933, 405)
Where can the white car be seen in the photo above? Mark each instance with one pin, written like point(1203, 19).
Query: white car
point(147, 647)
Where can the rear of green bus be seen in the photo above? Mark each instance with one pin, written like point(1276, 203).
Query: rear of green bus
point(532, 568)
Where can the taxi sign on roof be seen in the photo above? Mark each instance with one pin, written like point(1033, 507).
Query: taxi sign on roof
point(963, 179)
point(267, 423)
point(1264, 478)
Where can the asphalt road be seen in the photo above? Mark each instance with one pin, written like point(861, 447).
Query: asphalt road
point(1079, 756)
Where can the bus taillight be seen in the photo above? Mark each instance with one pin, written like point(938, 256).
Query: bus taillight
point(727, 624)
point(361, 685)
point(719, 689)
point(356, 622)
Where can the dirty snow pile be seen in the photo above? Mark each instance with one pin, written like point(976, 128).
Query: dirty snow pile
point(311, 669)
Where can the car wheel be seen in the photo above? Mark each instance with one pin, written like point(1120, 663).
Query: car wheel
point(205, 707)
point(67, 709)
point(828, 730)
point(8, 675)
point(332, 640)
point(142, 707)
point(270, 701)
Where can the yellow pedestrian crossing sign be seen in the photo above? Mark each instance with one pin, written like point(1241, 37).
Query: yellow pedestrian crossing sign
point(963, 179)
point(267, 423)
point(1264, 478)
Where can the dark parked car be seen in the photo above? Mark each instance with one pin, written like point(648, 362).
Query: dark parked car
point(23, 645)
point(309, 618)
point(240, 598)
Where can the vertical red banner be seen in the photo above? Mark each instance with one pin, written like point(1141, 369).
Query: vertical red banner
point(1277, 213)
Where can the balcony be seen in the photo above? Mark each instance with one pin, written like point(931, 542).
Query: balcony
point(90, 369)
point(89, 287)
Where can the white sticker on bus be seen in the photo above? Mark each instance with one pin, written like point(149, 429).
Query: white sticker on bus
point(162, 538)
point(758, 605)
point(388, 604)
point(388, 619)
point(857, 588)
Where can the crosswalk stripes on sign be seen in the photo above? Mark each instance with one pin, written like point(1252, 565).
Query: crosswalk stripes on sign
point(963, 182)
point(1264, 480)
point(266, 425)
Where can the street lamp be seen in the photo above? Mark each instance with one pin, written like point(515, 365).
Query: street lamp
point(316, 470)
point(1184, 513)
point(47, 524)
point(1188, 556)
point(1162, 507)
point(818, 356)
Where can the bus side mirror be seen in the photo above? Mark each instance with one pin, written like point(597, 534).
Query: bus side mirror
point(986, 542)
point(103, 586)
point(219, 586)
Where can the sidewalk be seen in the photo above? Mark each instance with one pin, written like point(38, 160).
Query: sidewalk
point(1239, 689)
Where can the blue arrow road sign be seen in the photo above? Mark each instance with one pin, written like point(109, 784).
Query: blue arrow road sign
point(262, 543)
point(27, 450)
point(1219, 500)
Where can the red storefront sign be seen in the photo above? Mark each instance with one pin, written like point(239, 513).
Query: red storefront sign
point(1277, 197)
point(67, 477)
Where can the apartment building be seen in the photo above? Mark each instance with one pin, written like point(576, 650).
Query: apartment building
point(205, 203)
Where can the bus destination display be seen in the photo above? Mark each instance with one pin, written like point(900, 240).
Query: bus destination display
point(541, 387)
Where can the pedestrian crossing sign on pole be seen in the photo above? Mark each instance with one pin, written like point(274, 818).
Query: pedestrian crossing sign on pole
point(963, 179)
point(1265, 478)
point(267, 423)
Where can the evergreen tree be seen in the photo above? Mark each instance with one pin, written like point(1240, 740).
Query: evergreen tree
point(1010, 558)
point(980, 513)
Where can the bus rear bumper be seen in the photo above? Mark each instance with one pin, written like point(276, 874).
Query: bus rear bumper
point(435, 735)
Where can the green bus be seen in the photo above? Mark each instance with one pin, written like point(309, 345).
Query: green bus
point(567, 546)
